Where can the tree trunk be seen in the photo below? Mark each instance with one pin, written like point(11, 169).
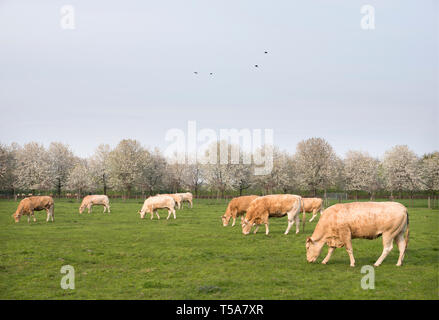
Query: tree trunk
point(59, 188)
point(105, 184)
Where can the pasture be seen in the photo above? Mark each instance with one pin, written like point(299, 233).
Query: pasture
point(120, 256)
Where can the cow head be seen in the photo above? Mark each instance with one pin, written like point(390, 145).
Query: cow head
point(313, 249)
point(16, 217)
point(142, 214)
point(81, 208)
point(246, 226)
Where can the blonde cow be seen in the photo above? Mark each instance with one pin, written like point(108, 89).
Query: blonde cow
point(237, 207)
point(95, 200)
point(27, 206)
point(176, 198)
point(341, 223)
point(187, 196)
point(277, 205)
point(158, 202)
point(313, 205)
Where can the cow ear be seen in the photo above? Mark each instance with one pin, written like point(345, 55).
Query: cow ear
point(309, 240)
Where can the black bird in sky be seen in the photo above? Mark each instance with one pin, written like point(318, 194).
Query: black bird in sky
point(256, 66)
point(195, 72)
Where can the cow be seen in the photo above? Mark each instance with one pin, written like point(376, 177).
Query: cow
point(276, 205)
point(237, 207)
point(177, 198)
point(367, 220)
point(157, 202)
point(313, 205)
point(27, 206)
point(187, 196)
point(94, 200)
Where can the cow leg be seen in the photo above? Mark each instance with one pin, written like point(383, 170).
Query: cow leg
point(105, 208)
point(89, 208)
point(173, 212)
point(108, 208)
point(387, 247)
point(48, 215)
point(266, 228)
point(314, 214)
point(190, 201)
point(234, 213)
point(297, 217)
point(328, 256)
point(28, 218)
point(157, 214)
point(291, 219)
point(33, 216)
point(350, 251)
point(152, 214)
point(400, 242)
point(290, 224)
point(256, 230)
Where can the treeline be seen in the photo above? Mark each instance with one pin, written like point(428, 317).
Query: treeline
point(131, 169)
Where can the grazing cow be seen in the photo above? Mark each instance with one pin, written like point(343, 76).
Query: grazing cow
point(177, 198)
point(158, 202)
point(187, 196)
point(27, 206)
point(237, 207)
point(275, 205)
point(367, 220)
point(95, 200)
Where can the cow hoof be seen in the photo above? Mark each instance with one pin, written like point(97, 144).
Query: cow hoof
point(376, 265)
point(352, 265)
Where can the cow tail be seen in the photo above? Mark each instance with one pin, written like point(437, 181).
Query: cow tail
point(406, 235)
point(303, 220)
point(298, 212)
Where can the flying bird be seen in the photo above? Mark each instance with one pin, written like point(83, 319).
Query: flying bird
point(195, 72)
point(265, 52)
point(256, 66)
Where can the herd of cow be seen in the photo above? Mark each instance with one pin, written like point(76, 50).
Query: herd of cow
point(337, 226)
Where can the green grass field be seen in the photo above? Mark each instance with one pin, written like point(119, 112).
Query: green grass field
point(120, 256)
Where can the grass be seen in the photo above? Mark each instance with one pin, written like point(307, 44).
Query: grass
point(120, 256)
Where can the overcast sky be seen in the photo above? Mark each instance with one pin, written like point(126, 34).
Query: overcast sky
point(127, 71)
